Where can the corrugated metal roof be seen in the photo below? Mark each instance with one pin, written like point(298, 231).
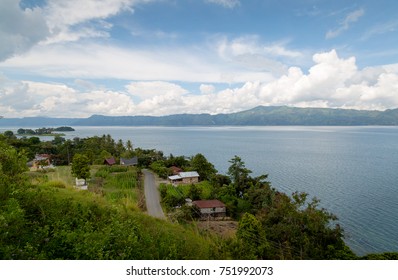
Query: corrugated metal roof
point(174, 177)
point(189, 174)
point(129, 161)
point(183, 175)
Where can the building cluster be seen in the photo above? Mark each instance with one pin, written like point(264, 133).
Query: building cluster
point(208, 208)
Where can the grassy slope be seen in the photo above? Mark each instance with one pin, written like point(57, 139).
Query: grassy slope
point(70, 224)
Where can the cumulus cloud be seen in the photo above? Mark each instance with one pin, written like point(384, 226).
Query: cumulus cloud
point(20, 29)
point(249, 52)
point(206, 89)
point(346, 23)
point(147, 90)
point(332, 82)
point(27, 98)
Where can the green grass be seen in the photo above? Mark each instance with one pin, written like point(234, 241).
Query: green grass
point(62, 174)
point(117, 183)
point(183, 190)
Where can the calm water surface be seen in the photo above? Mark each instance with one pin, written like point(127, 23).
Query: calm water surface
point(353, 170)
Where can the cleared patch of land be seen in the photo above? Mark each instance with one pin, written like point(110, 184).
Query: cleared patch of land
point(221, 228)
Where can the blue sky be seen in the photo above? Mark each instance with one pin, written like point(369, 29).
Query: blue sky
point(158, 57)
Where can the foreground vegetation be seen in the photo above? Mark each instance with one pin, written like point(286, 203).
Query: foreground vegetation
point(53, 221)
point(43, 217)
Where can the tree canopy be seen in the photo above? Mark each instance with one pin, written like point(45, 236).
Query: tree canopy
point(81, 166)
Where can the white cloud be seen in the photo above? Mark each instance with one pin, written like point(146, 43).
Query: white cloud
point(280, 50)
point(74, 19)
point(345, 24)
point(206, 89)
point(19, 29)
point(147, 90)
point(249, 52)
point(62, 13)
point(387, 27)
point(225, 3)
point(27, 98)
point(332, 82)
point(57, 22)
point(93, 61)
point(75, 34)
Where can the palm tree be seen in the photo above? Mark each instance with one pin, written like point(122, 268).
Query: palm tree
point(129, 145)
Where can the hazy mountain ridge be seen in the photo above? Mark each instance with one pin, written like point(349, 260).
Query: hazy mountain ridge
point(261, 115)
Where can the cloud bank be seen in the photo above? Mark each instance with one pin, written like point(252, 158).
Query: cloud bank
point(331, 82)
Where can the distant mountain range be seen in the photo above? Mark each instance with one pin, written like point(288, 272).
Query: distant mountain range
point(258, 116)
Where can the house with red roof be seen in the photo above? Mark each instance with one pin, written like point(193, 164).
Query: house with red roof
point(110, 161)
point(210, 208)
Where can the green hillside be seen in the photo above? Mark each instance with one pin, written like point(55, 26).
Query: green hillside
point(47, 223)
point(261, 115)
point(50, 220)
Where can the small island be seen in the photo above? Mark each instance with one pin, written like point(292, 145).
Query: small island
point(44, 131)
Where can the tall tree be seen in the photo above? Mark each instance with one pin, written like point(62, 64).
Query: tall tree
point(204, 168)
point(120, 149)
point(239, 175)
point(81, 167)
point(12, 168)
point(129, 145)
point(252, 235)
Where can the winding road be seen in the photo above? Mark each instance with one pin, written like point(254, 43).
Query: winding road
point(152, 196)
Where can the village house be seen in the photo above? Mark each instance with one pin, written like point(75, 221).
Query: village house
point(190, 177)
point(210, 208)
point(41, 161)
point(175, 170)
point(129, 161)
point(110, 161)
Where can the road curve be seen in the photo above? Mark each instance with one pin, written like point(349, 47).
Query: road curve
point(152, 197)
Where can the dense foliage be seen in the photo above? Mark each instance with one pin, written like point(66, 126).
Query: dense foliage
point(272, 224)
point(81, 167)
point(51, 221)
point(43, 131)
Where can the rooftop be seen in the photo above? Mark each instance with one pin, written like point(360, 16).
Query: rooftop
point(208, 203)
point(183, 175)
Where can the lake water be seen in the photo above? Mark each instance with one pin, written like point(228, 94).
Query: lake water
point(353, 170)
